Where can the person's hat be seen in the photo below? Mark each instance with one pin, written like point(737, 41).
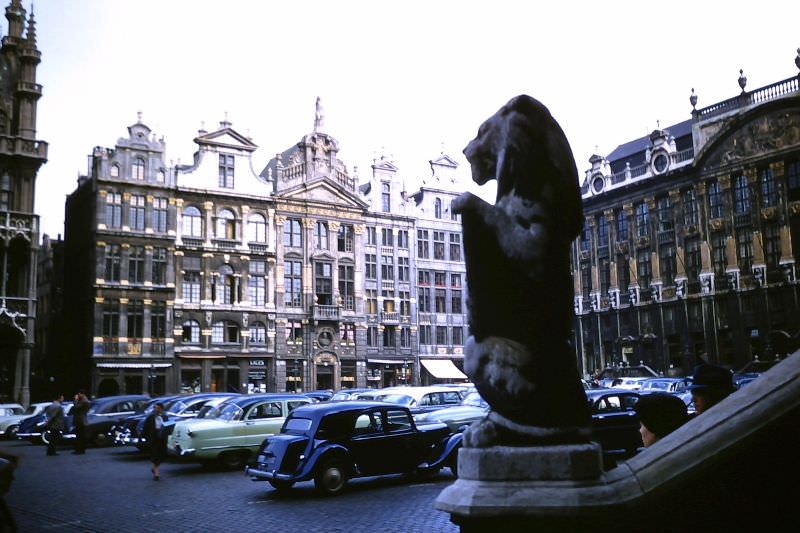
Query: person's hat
point(661, 413)
point(711, 376)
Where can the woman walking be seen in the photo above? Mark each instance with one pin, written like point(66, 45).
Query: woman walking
point(157, 437)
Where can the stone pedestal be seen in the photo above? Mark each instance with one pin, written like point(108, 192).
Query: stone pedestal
point(519, 487)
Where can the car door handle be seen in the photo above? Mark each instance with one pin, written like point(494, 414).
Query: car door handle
point(249, 423)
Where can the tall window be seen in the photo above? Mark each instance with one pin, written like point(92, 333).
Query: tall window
point(440, 279)
point(405, 303)
point(389, 337)
point(113, 260)
point(665, 220)
point(137, 168)
point(224, 331)
point(772, 246)
point(437, 208)
point(190, 286)
point(456, 303)
point(258, 333)
point(586, 236)
point(7, 195)
point(294, 332)
point(161, 175)
point(370, 266)
point(715, 201)
point(458, 336)
point(718, 252)
point(741, 195)
point(111, 318)
point(192, 222)
point(424, 291)
point(644, 269)
point(371, 301)
point(405, 337)
point(425, 337)
point(423, 246)
point(371, 236)
point(605, 274)
point(292, 283)
point(438, 245)
point(642, 220)
point(257, 283)
point(744, 249)
point(321, 235)
point(402, 239)
point(160, 215)
point(693, 262)
point(622, 225)
point(387, 268)
point(158, 320)
point(226, 171)
point(113, 210)
point(348, 333)
point(793, 179)
point(135, 319)
point(586, 279)
point(403, 269)
point(769, 194)
point(668, 263)
point(114, 171)
point(388, 300)
point(226, 285)
point(292, 234)
point(226, 225)
point(256, 228)
point(345, 238)
point(602, 231)
point(455, 247)
point(689, 201)
point(159, 270)
point(372, 336)
point(136, 264)
point(136, 212)
point(386, 197)
point(347, 287)
point(387, 237)
point(453, 215)
point(441, 335)
point(623, 272)
point(323, 283)
point(191, 332)
point(440, 297)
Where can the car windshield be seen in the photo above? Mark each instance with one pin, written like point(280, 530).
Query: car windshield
point(296, 426)
point(340, 396)
point(231, 413)
point(399, 399)
point(474, 399)
point(177, 407)
point(655, 385)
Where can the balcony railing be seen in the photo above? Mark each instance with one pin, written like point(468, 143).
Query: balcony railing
point(390, 316)
point(25, 147)
point(17, 223)
point(226, 243)
point(769, 92)
point(258, 248)
point(742, 219)
point(158, 347)
point(326, 312)
point(192, 241)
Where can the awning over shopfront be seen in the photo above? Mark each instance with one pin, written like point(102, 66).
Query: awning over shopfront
point(442, 369)
point(134, 365)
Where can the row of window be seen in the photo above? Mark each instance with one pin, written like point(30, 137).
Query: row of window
point(440, 335)
point(134, 319)
point(135, 259)
point(135, 217)
point(226, 286)
point(227, 332)
point(440, 241)
point(138, 168)
point(293, 235)
point(226, 226)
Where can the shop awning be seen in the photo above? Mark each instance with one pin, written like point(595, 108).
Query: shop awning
point(442, 369)
point(385, 361)
point(134, 365)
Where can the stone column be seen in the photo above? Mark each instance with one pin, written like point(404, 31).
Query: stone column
point(178, 220)
point(209, 222)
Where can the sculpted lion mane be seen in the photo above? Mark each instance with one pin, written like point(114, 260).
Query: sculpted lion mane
point(518, 272)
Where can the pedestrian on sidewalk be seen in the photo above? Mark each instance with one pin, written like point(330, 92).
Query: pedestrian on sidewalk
point(157, 437)
point(54, 424)
point(79, 421)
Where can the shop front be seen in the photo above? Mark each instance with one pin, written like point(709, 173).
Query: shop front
point(113, 378)
point(389, 372)
point(442, 370)
point(211, 373)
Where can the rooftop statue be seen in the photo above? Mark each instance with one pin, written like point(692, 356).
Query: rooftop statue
point(519, 280)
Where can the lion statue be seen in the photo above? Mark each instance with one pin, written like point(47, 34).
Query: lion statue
point(519, 280)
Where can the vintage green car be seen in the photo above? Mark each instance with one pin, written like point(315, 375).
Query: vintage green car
point(234, 435)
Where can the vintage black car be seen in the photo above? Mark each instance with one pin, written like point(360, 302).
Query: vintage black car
point(333, 442)
point(614, 422)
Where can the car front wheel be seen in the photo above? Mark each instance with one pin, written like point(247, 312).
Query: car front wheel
point(11, 432)
point(331, 478)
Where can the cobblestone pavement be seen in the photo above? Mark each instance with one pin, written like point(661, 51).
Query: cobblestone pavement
point(110, 489)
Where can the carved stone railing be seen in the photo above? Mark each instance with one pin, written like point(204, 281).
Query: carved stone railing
point(226, 243)
point(192, 241)
point(14, 223)
point(683, 155)
point(326, 312)
point(294, 171)
point(390, 316)
point(764, 94)
point(25, 147)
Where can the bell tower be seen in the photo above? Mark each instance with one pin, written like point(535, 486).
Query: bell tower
point(21, 155)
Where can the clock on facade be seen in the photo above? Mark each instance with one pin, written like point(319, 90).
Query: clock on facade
point(660, 163)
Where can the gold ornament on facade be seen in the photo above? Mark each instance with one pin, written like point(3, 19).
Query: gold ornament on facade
point(725, 182)
point(280, 220)
point(609, 214)
point(628, 208)
point(334, 226)
point(794, 208)
point(642, 241)
point(359, 229)
point(769, 213)
point(716, 224)
point(309, 223)
point(622, 247)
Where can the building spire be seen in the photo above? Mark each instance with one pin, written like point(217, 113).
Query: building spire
point(15, 14)
point(319, 116)
point(31, 35)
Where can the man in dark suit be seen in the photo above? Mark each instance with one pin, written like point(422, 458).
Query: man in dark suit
point(54, 423)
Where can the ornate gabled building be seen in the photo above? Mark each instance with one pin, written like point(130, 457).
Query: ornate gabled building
point(691, 239)
point(440, 273)
point(224, 312)
point(320, 311)
point(120, 235)
point(21, 155)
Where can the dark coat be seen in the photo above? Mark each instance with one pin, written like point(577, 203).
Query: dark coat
point(79, 411)
point(157, 439)
point(55, 417)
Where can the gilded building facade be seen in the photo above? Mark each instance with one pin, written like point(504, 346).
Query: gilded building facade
point(21, 155)
point(691, 239)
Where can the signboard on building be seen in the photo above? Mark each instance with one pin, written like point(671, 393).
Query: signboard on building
point(258, 370)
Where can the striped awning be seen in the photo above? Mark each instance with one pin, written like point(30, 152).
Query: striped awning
point(442, 369)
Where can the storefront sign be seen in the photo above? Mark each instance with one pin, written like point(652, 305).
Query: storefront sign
point(258, 370)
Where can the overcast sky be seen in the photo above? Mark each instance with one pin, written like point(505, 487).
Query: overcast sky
point(400, 78)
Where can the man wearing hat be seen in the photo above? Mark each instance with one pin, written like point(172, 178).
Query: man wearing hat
point(659, 415)
point(710, 385)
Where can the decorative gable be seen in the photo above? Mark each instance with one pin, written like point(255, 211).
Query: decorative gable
point(227, 138)
point(324, 191)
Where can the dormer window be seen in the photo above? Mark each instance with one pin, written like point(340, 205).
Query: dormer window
point(160, 175)
point(437, 208)
point(137, 169)
point(114, 171)
point(226, 171)
point(386, 197)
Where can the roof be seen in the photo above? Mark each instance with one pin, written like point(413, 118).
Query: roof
point(321, 409)
point(643, 143)
point(247, 400)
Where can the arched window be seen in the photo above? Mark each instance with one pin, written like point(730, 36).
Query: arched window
point(115, 171)
point(191, 332)
point(258, 333)
point(226, 225)
point(437, 208)
point(192, 222)
point(161, 175)
point(225, 286)
point(321, 235)
point(256, 228)
point(137, 169)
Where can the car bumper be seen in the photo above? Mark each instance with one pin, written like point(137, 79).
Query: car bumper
point(177, 451)
point(257, 474)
